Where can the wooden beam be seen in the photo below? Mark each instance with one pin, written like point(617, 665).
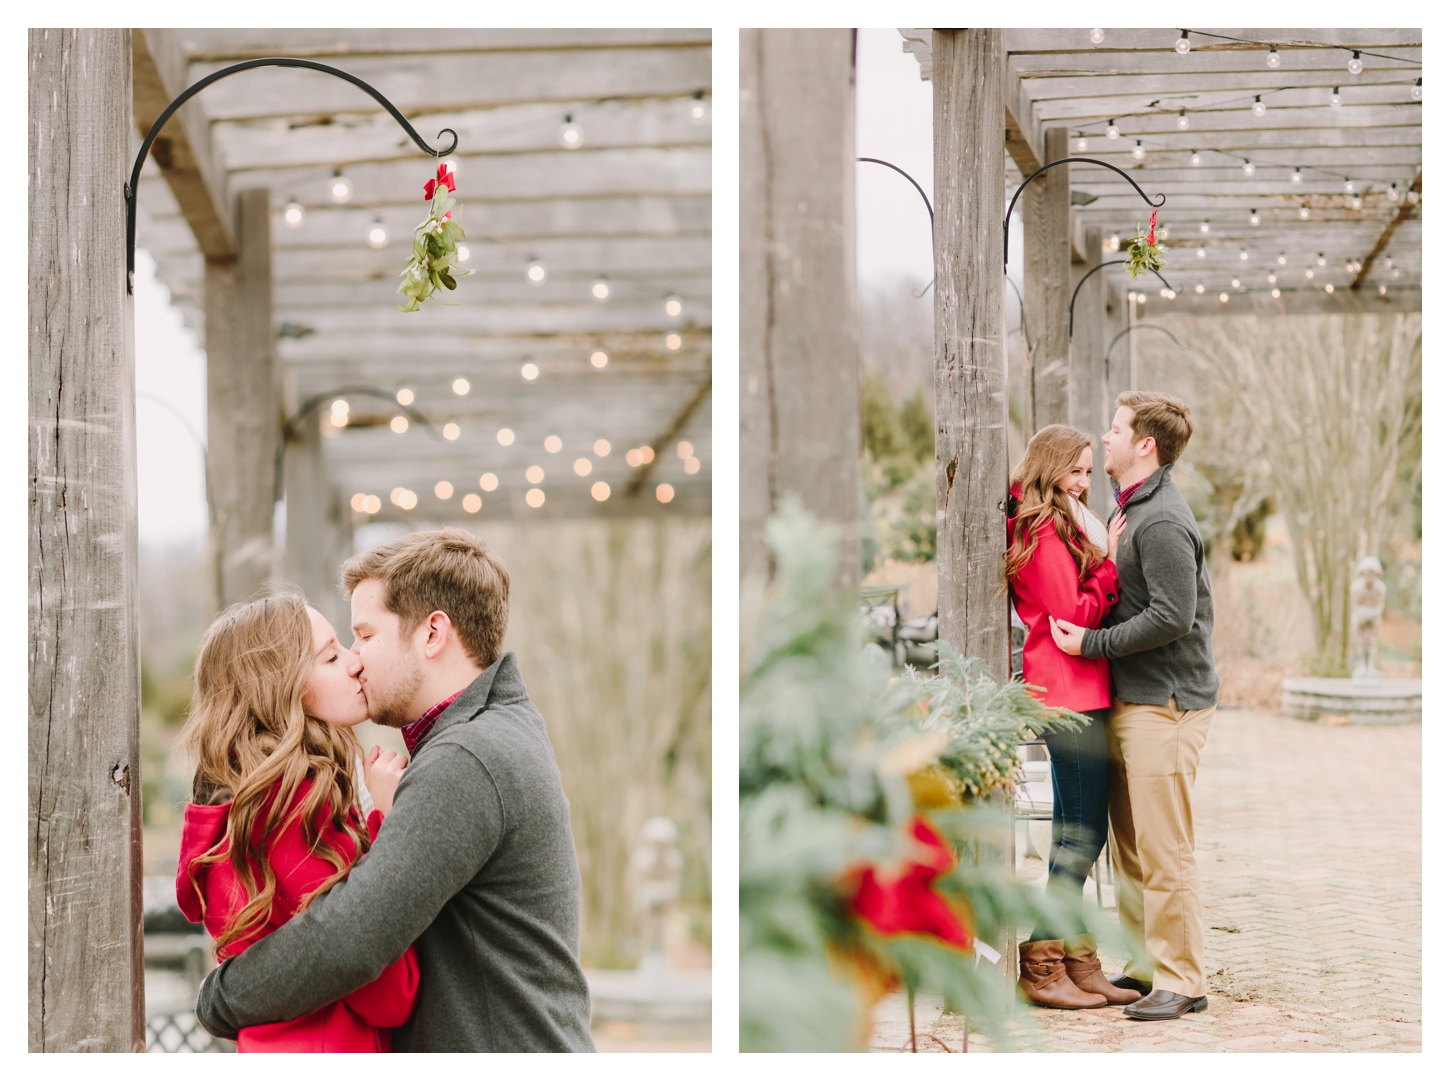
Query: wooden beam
point(314, 522)
point(1166, 62)
point(243, 408)
point(1257, 40)
point(234, 45)
point(86, 987)
point(1089, 378)
point(1047, 256)
point(1406, 210)
point(799, 363)
point(660, 444)
point(183, 150)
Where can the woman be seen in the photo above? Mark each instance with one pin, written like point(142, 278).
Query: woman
point(1060, 565)
point(275, 820)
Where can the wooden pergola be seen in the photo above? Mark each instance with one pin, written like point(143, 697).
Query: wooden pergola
point(583, 172)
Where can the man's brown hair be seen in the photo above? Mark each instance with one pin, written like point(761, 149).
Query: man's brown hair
point(441, 570)
point(1163, 417)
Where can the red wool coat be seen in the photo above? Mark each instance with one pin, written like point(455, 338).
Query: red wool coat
point(360, 1021)
point(1048, 586)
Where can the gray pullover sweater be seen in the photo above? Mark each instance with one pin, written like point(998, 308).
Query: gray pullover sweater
point(1158, 638)
point(476, 866)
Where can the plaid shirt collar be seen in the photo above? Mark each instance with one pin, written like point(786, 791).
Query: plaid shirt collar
point(415, 733)
point(1123, 495)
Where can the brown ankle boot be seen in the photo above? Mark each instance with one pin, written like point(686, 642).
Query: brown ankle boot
point(1080, 958)
point(1044, 980)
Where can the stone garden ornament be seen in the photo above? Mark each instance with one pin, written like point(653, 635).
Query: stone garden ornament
point(1366, 611)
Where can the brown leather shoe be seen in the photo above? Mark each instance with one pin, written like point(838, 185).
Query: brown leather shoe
point(1080, 958)
point(1044, 979)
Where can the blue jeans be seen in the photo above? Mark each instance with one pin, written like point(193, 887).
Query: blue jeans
point(1079, 816)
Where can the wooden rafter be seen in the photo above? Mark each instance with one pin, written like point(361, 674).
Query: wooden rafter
point(1405, 211)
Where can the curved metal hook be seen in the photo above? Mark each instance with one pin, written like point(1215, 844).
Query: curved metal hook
point(1090, 273)
point(1108, 356)
point(290, 428)
point(1068, 161)
point(1021, 315)
point(930, 213)
point(201, 84)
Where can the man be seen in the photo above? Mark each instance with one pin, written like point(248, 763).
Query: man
point(476, 860)
point(1159, 643)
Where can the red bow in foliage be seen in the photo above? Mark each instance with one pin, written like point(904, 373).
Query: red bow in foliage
point(1152, 222)
point(907, 904)
point(445, 177)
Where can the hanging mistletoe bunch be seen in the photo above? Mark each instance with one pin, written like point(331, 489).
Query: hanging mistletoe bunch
point(434, 262)
point(1144, 253)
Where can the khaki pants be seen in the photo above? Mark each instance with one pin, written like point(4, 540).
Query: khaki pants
point(1154, 752)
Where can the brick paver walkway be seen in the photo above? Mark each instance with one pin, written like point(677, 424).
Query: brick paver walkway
point(1309, 848)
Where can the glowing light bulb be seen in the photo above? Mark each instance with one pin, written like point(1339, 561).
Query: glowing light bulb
point(1349, 185)
point(1248, 167)
point(1355, 202)
point(1112, 131)
point(1234, 283)
point(699, 108)
point(404, 396)
point(461, 386)
point(1181, 46)
point(1309, 274)
point(1273, 59)
point(673, 306)
point(1198, 288)
point(488, 482)
point(339, 188)
point(1321, 258)
point(1201, 253)
point(583, 467)
point(529, 371)
point(1182, 119)
point(471, 503)
point(1195, 158)
point(378, 234)
point(443, 490)
point(1095, 35)
point(1138, 150)
point(1114, 242)
point(599, 358)
point(600, 290)
point(1274, 293)
point(599, 491)
point(1243, 254)
point(1394, 192)
point(1416, 91)
point(665, 492)
point(399, 424)
point(359, 501)
point(535, 498)
point(1273, 278)
point(1303, 212)
point(673, 342)
point(1356, 65)
point(1382, 290)
point(1259, 107)
point(1081, 142)
point(463, 253)
point(1253, 217)
point(537, 273)
point(602, 448)
point(293, 214)
point(1203, 227)
point(451, 431)
point(1329, 287)
point(1283, 260)
point(534, 474)
point(505, 437)
point(1298, 177)
point(553, 444)
point(570, 136)
point(1223, 298)
point(1334, 101)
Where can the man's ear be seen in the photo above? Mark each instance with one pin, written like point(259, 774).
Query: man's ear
point(440, 629)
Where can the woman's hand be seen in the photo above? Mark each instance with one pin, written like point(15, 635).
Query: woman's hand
point(1115, 530)
point(381, 772)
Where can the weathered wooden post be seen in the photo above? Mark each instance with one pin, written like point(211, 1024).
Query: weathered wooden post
point(1089, 377)
point(1047, 287)
point(86, 991)
point(800, 383)
point(971, 359)
point(243, 412)
point(314, 522)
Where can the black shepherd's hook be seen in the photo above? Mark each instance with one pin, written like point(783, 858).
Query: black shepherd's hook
point(929, 212)
point(1089, 274)
point(1108, 356)
point(202, 84)
point(290, 428)
point(1070, 161)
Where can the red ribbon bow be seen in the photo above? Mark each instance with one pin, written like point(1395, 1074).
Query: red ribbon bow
point(445, 177)
point(1152, 222)
point(906, 904)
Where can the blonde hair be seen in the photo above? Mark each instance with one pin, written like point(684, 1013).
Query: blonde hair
point(1050, 456)
point(1161, 416)
point(254, 741)
point(441, 570)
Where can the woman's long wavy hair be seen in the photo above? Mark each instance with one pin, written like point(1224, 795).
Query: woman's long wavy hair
point(254, 740)
point(1050, 456)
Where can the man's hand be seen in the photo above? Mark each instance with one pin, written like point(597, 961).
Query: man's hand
point(381, 771)
point(1068, 637)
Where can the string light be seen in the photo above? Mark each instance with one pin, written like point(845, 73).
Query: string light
point(378, 234)
point(583, 467)
point(1202, 253)
point(1223, 298)
point(1273, 278)
point(451, 431)
point(1195, 158)
point(1114, 241)
point(1283, 260)
point(553, 444)
point(1198, 288)
point(1334, 102)
point(1234, 283)
point(404, 396)
point(699, 111)
point(1321, 258)
point(1273, 60)
point(673, 306)
point(1112, 132)
point(1081, 141)
point(1356, 65)
point(1243, 254)
point(505, 439)
point(1203, 226)
point(461, 387)
point(1274, 293)
point(599, 358)
point(1309, 274)
point(1394, 192)
point(600, 290)
point(463, 253)
point(1348, 185)
point(1248, 167)
point(339, 189)
point(665, 492)
point(1138, 150)
point(602, 448)
point(1303, 211)
point(488, 482)
point(534, 474)
point(399, 424)
point(472, 504)
point(443, 490)
point(1182, 119)
point(1355, 202)
point(600, 491)
point(537, 273)
point(1382, 290)
point(1329, 287)
point(1181, 46)
point(1259, 108)
point(673, 342)
point(1253, 217)
point(1416, 91)
point(570, 135)
point(535, 498)
point(529, 371)
point(293, 214)
point(1095, 35)
point(1298, 177)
